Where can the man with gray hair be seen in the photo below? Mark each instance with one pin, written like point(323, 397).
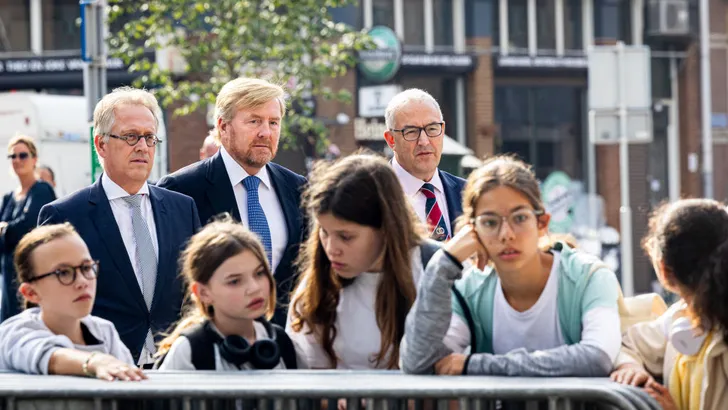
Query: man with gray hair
point(210, 145)
point(135, 230)
point(415, 132)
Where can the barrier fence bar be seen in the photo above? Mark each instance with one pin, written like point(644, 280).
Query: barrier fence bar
point(307, 390)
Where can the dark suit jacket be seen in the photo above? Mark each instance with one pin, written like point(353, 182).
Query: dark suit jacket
point(19, 224)
point(208, 183)
point(118, 296)
point(453, 194)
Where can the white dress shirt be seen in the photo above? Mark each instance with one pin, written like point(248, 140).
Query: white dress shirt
point(122, 214)
point(268, 201)
point(411, 186)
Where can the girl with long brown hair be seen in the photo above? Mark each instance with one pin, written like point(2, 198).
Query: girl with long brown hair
point(533, 311)
point(233, 295)
point(359, 267)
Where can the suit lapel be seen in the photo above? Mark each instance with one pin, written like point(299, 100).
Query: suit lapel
point(108, 231)
point(286, 196)
point(164, 242)
point(453, 197)
point(220, 193)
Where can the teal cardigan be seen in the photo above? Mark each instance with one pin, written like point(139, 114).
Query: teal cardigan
point(584, 283)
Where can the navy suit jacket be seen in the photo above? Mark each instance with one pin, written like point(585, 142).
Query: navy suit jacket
point(118, 296)
point(208, 183)
point(453, 195)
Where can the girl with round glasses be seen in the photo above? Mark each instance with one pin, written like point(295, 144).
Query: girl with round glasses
point(533, 311)
point(56, 334)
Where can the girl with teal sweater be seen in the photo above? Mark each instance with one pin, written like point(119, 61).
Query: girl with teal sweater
point(531, 311)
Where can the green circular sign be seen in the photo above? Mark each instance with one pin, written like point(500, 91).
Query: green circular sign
point(558, 199)
point(382, 63)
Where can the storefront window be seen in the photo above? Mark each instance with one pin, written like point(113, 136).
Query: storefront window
point(518, 24)
point(573, 39)
point(383, 13)
point(443, 24)
point(414, 23)
point(15, 25)
point(61, 30)
point(543, 126)
point(546, 26)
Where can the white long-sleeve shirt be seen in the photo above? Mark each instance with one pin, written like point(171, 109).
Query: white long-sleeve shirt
point(26, 343)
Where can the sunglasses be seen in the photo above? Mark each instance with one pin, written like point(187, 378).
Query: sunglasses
point(21, 156)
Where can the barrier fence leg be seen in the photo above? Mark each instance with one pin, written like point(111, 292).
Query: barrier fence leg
point(353, 403)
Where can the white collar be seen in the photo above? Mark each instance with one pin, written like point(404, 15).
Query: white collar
point(114, 191)
point(411, 184)
point(237, 174)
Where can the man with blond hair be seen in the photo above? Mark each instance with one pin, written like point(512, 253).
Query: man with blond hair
point(241, 179)
point(134, 230)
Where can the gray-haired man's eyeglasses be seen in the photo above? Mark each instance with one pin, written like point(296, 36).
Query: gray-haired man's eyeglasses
point(433, 130)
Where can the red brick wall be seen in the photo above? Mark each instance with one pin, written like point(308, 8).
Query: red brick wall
point(690, 182)
point(480, 98)
point(184, 138)
point(341, 135)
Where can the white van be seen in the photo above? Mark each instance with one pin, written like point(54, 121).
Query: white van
point(60, 128)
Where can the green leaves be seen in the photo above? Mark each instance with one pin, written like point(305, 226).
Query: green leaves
point(293, 42)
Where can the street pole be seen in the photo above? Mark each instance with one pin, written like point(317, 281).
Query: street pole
point(673, 136)
point(625, 211)
point(706, 99)
point(93, 53)
point(591, 160)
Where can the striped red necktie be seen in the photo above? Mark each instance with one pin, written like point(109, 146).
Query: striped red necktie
point(435, 217)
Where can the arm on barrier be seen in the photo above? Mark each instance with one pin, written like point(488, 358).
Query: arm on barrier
point(593, 356)
point(429, 320)
point(103, 366)
point(643, 350)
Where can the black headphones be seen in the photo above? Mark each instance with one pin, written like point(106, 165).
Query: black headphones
point(263, 354)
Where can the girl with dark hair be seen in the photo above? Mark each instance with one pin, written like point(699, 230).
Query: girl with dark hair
point(359, 267)
point(233, 296)
point(688, 345)
point(534, 311)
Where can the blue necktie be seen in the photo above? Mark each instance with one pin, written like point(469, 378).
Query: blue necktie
point(257, 222)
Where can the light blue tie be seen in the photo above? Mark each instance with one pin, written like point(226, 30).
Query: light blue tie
point(146, 257)
point(257, 222)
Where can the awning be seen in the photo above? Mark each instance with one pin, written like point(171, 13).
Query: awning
point(471, 162)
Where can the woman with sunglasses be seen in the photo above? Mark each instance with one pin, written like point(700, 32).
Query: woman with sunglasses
point(56, 334)
point(19, 214)
point(536, 310)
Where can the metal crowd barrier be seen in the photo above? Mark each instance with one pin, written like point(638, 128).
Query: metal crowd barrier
point(317, 390)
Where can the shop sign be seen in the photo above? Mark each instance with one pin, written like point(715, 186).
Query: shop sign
point(542, 62)
point(382, 63)
point(558, 200)
point(373, 100)
point(33, 65)
point(365, 130)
